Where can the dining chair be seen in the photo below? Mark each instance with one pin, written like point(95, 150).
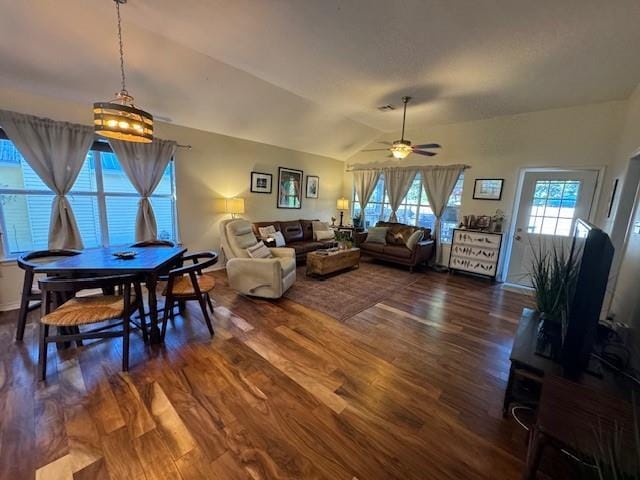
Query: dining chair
point(30, 297)
point(154, 243)
point(188, 283)
point(87, 310)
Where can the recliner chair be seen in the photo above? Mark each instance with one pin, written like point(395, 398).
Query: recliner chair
point(259, 277)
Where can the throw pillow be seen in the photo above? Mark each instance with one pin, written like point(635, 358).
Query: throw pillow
point(279, 238)
point(377, 235)
point(259, 250)
point(399, 234)
point(414, 239)
point(319, 227)
point(266, 232)
point(325, 235)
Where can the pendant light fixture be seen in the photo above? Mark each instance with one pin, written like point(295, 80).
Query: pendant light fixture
point(120, 118)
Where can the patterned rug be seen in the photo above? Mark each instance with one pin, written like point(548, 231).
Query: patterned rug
point(345, 294)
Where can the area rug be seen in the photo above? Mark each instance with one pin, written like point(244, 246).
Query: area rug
point(344, 294)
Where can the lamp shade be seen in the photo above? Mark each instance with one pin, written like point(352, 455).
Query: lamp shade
point(235, 205)
point(343, 204)
point(229, 205)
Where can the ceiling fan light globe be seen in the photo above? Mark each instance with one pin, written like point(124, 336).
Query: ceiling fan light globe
point(401, 149)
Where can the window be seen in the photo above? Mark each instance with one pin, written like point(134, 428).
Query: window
point(414, 209)
point(104, 202)
point(554, 206)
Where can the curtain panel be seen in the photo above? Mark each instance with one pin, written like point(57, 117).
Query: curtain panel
point(56, 151)
point(365, 182)
point(397, 184)
point(144, 164)
point(438, 183)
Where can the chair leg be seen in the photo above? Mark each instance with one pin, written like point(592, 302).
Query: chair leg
point(42, 354)
point(143, 319)
point(168, 307)
point(126, 325)
point(205, 314)
point(208, 297)
point(24, 305)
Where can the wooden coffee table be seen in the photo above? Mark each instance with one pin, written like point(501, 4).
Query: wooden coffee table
point(323, 265)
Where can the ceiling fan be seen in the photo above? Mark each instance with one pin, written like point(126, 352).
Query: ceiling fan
point(402, 148)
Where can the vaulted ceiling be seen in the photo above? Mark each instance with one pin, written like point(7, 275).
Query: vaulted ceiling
point(309, 74)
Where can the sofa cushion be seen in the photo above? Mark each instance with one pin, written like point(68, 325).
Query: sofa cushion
point(304, 247)
point(399, 251)
point(372, 247)
point(259, 250)
point(292, 231)
point(307, 229)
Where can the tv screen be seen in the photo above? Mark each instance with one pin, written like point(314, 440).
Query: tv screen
point(593, 251)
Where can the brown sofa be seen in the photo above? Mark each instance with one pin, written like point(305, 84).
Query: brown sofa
point(395, 249)
point(299, 235)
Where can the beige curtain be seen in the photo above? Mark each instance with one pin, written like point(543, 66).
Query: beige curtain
point(397, 183)
point(56, 152)
point(144, 164)
point(438, 183)
point(364, 182)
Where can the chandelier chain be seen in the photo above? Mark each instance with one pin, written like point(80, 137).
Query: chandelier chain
point(122, 75)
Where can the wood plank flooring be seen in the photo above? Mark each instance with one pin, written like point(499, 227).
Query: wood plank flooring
point(410, 388)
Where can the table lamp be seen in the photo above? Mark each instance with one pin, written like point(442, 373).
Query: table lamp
point(343, 204)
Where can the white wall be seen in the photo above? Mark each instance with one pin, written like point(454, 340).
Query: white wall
point(216, 166)
point(583, 136)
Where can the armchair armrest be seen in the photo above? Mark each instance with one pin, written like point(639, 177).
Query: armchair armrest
point(249, 274)
point(359, 237)
point(283, 252)
point(423, 251)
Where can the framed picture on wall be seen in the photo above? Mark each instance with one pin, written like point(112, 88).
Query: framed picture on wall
point(488, 188)
point(312, 186)
point(289, 188)
point(261, 182)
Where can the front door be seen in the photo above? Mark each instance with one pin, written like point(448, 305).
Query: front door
point(550, 202)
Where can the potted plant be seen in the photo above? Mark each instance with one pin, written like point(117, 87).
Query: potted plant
point(344, 240)
point(553, 276)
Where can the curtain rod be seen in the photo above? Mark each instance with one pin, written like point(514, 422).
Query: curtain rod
point(379, 167)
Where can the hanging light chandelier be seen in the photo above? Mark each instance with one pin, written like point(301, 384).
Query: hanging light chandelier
point(120, 118)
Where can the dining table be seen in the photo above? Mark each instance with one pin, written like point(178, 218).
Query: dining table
point(148, 262)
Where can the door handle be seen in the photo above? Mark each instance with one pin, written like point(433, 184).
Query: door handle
point(518, 237)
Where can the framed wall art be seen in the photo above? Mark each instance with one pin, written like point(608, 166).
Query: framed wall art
point(289, 188)
point(261, 182)
point(488, 188)
point(312, 186)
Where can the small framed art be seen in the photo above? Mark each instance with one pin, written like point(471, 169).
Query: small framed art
point(312, 186)
point(488, 188)
point(261, 182)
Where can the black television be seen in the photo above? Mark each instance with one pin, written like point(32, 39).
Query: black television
point(593, 252)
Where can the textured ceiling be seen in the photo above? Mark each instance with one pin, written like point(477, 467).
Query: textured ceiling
point(309, 74)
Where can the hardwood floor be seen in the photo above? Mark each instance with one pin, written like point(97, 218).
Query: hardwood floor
point(410, 388)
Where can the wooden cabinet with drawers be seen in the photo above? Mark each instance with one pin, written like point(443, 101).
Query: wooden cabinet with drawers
point(476, 252)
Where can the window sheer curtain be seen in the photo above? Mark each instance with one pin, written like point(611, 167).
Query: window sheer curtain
point(438, 183)
point(144, 164)
point(56, 152)
point(364, 182)
point(397, 183)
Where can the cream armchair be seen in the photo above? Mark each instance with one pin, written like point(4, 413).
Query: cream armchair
point(260, 277)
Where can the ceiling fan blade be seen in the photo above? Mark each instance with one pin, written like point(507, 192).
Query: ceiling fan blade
point(390, 155)
point(422, 152)
point(385, 143)
point(375, 150)
point(428, 145)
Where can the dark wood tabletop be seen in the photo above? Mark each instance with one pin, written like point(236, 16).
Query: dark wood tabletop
point(149, 262)
point(102, 261)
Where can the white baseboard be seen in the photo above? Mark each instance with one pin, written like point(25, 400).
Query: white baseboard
point(5, 307)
